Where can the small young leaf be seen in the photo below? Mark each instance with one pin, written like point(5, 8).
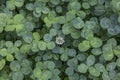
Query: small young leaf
point(15, 66)
point(42, 45)
point(50, 45)
point(90, 60)
point(84, 46)
point(82, 68)
point(17, 76)
point(96, 42)
point(94, 72)
point(28, 37)
point(2, 64)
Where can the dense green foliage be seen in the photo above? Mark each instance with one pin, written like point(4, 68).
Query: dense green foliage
point(59, 39)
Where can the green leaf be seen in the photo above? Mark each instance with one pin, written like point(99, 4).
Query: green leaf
point(81, 57)
point(37, 15)
point(87, 34)
point(19, 3)
point(53, 32)
point(78, 23)
point(25, 48)
point(108, 56)
point(115, 4)
point(45, 10)
point(47, 56)
point(96, 51)
point(3, 52)
point(90, 25)
point(14, 49)
point(84, 46)
point(47, 22)
point(100, 67)
point(17, 76)
point(94, 72)
point(46, 75)
point(113, 42)
point(19, 56)
point(56, 71)
point(47, 37)
point(4, 19)
point(34, 46)
point(118, 62)
point(25, 63)
point(74, 5)
point(1, 29)
point(2, 42)
point(10, 28)
point(72, 62)
point(90, 60)
point(26, 70)
point(9, 44)
point(11, 5)
point(44, 0)
point(81, 14)
point(70, 15)
point(69, 71)
point(55, 2)
point(105, 23)
point(105, 76)
point(18, 43)
point(2, 64)
point(117, 76)
point(92, 2)
point(15, 66)
point(36, 36)
point(49, 65)
point(116, 50)
point(85, 5)
point(37, 72)
point(113, 31)
point(75, 43)
point(29, 26)
point(61, 20)
point(50, 45)
point(66, 28)
point(29, 6)
point(18, 19)
point(82, 68)
point(64, 57)
point(112, 74)
point(83, 77)
point(75, 34)
point(56, 77)
point(28, 37)
point(96, 42)
point(52, 14)
point(107, 48)
point(58, 9)
point(19, 27)
point(42, 45)
point(71, 52)
point(38, 10)
point(39, 65)
point(111, 66)
point(9, 57)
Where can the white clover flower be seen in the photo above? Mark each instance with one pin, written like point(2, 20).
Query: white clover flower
point(59, 40)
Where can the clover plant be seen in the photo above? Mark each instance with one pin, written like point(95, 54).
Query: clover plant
point(59, 39)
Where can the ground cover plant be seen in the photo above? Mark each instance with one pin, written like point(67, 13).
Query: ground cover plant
point(59, 39)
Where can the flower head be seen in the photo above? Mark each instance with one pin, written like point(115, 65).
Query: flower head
point(59, 40)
